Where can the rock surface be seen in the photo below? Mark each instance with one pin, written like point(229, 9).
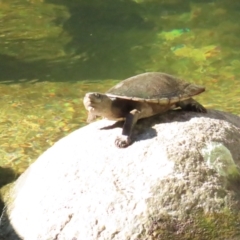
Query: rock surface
point(178, 180)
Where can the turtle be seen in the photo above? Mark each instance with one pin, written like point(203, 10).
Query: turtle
point(142, 96)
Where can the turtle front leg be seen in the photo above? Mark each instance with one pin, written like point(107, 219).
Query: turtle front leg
point(191, 105)
point(125, 139)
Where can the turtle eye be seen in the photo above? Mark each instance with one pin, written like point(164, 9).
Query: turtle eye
point(97, 95)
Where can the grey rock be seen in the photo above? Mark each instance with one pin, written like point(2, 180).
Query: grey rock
point(178, 180)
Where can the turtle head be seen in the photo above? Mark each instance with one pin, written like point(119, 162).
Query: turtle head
point(97, 104)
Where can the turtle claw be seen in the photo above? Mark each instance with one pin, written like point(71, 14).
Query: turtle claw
point(122, 141)
point(202, 109)
point(196, 107)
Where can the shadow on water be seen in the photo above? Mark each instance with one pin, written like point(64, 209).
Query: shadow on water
point(109, 39)
point(112, 39)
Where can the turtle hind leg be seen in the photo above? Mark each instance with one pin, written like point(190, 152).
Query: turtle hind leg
point(191, 105)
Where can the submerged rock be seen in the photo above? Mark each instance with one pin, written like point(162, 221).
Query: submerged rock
point(178, 180)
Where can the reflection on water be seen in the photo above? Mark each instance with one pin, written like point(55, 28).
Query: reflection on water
point(53, 51)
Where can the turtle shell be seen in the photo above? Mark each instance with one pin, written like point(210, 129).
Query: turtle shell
point(155, 87)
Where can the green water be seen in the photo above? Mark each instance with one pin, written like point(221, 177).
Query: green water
point(52, 52)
